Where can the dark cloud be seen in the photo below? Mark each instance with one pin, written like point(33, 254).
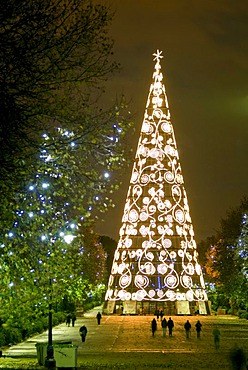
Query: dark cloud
point(205, 70)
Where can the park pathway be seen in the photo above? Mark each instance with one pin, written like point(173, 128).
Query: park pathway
point(128, 338)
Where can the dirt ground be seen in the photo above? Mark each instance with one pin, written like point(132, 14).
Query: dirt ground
point(126, 342)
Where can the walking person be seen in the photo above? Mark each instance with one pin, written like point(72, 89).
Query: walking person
point(161, 314)
point(198, 327)
point(154, 326)
point(187, 327)
point(73, 319)
point(68, 320)
point(98, 317)
point(170, 325)
point(83, 332)
point(216, 334)
point(164, 326)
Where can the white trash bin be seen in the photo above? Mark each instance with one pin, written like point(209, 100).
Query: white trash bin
point(65, 355)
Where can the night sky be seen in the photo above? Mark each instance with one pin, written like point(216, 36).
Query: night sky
point(205, 69)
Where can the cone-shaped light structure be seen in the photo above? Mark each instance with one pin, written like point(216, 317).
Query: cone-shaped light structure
point(156, 264)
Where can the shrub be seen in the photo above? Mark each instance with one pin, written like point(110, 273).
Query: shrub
point(243, 314)
point(12, 335)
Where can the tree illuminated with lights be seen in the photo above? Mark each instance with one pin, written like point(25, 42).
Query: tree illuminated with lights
point(51, 237)
point(156, 259)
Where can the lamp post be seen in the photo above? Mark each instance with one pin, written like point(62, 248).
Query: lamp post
point(50, 362)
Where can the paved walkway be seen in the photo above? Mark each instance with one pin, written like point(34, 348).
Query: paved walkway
point(61, 332)
point(128, 340)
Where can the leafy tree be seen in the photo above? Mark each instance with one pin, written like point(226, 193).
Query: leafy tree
point(51, 236)
point(227, 265)
point(60, 151)
point(224, 263)
point(54, 58)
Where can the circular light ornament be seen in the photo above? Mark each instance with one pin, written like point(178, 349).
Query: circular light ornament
point(157, 113)
point(146, 200)
point(149, 268)
point(166, 127)
point(144, 179)
point(145, 127)
point(128, 296)
point(171, 295)
point(160, 293)
point(144, 230)
point(143, 216)
point(160, 229)
point(167, 243)
point(171, 281)
point(186, 281)
point(180, 216)
point(133, 296)
point(154, 153)
point(133, 215)
point(150, 256)
point(173, 255)
point(140, 295)
point(163, 254)
point(121, 294)
point(170, 150)
point(125, 281)
point(152, 209)
point(151, 293)
point(162, 268)
point(128, 242)
point(169, 177)
point(141, 281)
point(189, 295)
point(180, 253)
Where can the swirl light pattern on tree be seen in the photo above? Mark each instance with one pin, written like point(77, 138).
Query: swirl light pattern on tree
point(156, 258)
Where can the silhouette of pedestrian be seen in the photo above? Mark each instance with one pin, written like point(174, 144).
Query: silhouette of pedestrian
point(83, 332)
point(238, 358)
point(157, 314)
point(164, 326)
point(98, 317)
point(216, 334)
point(73, 319)
point(170, 325)
point(187, 327)
point(68, 320)
point(161, 314)
point(154, 326)
point(198, 327)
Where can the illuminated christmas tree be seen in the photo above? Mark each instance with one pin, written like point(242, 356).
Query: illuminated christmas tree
point(155, 264)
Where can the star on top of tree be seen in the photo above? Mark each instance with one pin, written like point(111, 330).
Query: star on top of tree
point(158, 55)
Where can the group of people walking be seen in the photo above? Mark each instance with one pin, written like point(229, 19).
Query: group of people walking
point(187, 327)
point(170, 325)
point(71, 318)
point(198, 328)
point(165, 324)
